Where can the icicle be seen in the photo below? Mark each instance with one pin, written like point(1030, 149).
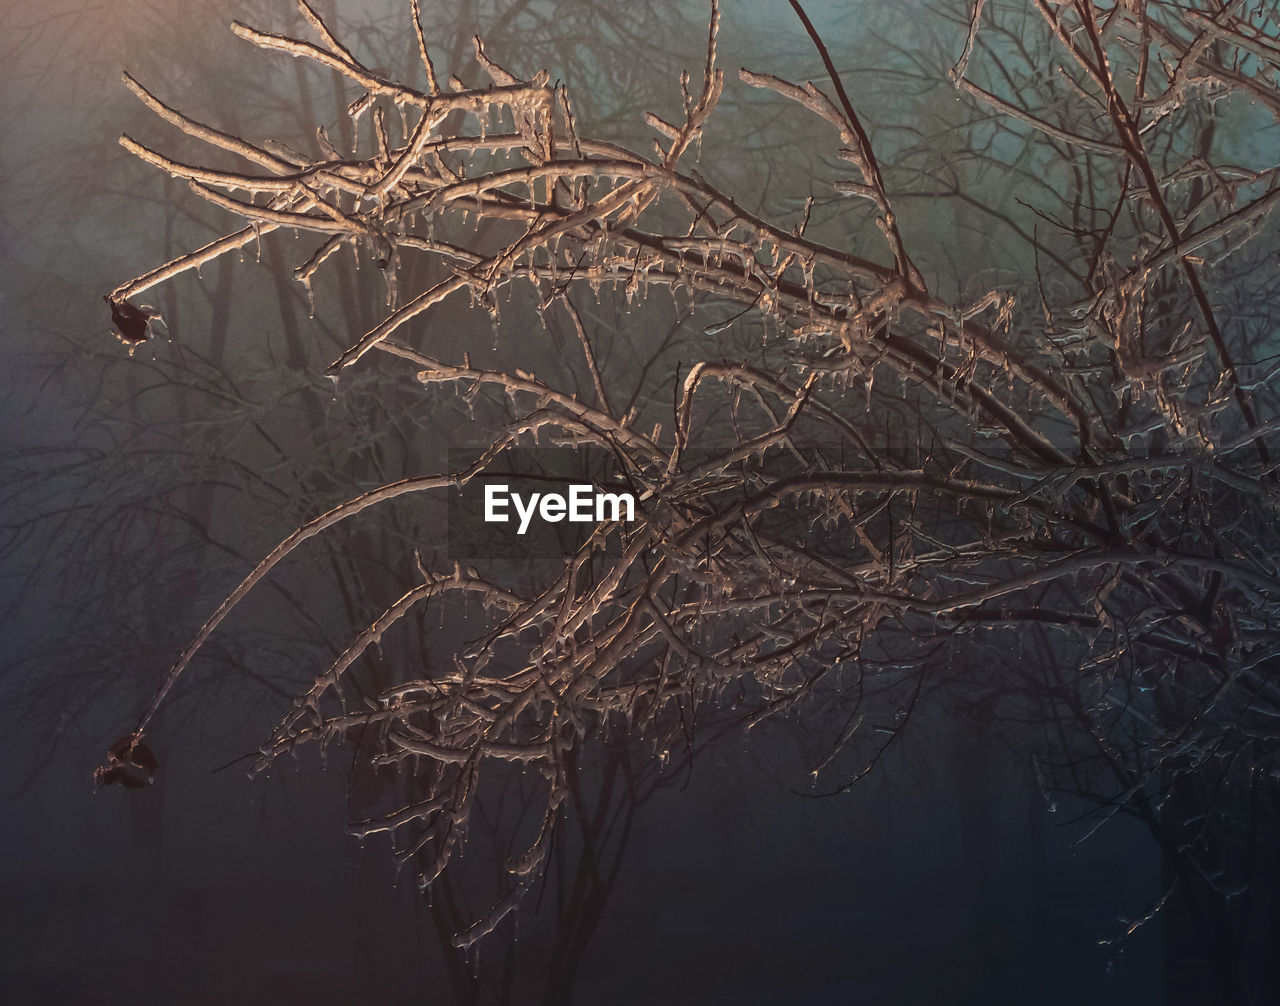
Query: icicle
point(310, 293)
point(393, 285)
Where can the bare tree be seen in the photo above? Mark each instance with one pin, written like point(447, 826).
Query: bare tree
point(843, 477)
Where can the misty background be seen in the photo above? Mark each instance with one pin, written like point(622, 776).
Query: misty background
point(138, 489)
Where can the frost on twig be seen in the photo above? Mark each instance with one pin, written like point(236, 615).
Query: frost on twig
point(787, 534)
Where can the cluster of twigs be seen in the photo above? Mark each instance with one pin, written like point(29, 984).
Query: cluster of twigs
point(1070, 473)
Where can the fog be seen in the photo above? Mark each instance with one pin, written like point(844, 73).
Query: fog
point(141, 484)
